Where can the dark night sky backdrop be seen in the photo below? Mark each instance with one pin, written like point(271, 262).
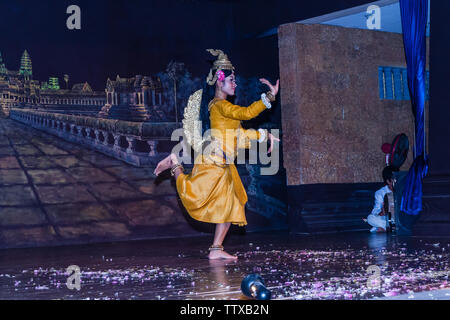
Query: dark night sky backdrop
point(129, 37)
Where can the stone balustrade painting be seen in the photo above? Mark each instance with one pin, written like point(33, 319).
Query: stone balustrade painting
point(137, 143)
point(57, 188)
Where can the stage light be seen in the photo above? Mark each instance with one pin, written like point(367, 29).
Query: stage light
point(253, 287)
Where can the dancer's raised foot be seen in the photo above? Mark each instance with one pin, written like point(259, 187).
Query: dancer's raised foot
point(163, 165)
point(220, 254)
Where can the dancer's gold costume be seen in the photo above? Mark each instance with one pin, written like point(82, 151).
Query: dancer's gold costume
point(213, 191)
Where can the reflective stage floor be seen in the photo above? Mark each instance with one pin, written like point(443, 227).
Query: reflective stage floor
point(344, 266)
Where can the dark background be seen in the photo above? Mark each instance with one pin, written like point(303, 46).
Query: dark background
point(129, 37)
point(439, 117)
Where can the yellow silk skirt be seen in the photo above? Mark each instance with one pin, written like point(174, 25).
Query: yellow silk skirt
point(213, 192)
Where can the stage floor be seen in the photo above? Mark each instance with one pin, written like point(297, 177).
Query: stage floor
point(344, 266)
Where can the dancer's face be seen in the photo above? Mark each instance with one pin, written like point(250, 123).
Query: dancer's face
point(228, 85)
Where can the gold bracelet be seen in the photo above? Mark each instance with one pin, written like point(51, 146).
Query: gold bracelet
point(270, 96)
point(178, 166)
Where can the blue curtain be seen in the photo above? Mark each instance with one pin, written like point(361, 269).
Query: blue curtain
point(414, 15)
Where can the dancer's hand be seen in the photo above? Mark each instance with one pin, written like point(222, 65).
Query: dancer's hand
point(273, 88)
point(272, 139)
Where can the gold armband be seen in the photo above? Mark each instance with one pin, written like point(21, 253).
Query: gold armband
point(178, 166)
point(270, 96)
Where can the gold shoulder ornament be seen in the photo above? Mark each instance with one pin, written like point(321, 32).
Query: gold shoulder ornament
point(192, 123)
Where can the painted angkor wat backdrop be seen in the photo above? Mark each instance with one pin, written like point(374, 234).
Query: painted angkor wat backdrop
point(86, 113)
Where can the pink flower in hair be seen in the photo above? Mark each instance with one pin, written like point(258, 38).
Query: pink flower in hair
point(220, 75)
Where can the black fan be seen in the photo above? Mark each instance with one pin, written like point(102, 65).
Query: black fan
point(399, 151)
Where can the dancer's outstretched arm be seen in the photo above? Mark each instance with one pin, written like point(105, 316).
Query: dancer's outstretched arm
point(232, 111)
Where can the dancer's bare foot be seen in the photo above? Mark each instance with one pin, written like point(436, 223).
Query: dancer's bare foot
point(165, 164)
point(219, 254)
point(380, 230)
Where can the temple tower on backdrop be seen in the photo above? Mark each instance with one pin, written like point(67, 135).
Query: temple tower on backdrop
point(53, 83)
point(2, 65)
point(26, 67)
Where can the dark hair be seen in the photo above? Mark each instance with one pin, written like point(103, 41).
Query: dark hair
point(388, 173)
point(207, 96)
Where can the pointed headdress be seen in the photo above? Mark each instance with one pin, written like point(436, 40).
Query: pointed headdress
point(222, 63)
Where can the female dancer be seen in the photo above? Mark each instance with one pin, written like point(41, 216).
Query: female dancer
point(213, 191)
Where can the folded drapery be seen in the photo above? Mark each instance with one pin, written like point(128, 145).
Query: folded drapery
point(414, 14)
